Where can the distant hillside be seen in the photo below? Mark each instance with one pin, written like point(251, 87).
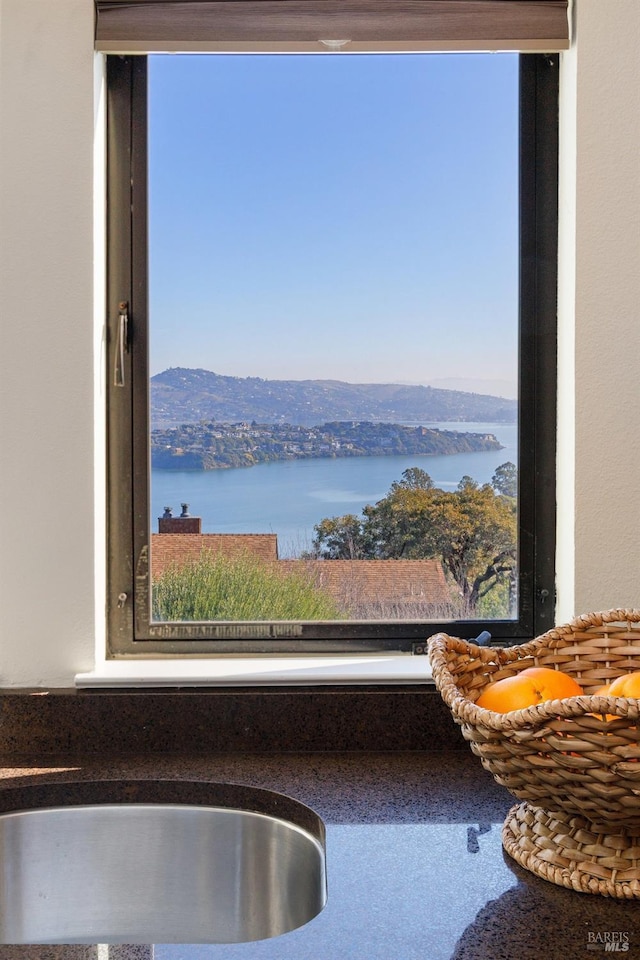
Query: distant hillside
point(181, 395)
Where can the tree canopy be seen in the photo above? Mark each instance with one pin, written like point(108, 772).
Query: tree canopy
point(505, 479)
point(472, 530)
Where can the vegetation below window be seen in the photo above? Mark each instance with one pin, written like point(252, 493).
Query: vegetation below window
point(215, 587)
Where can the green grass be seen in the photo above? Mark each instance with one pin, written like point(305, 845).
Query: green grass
point(216, 587)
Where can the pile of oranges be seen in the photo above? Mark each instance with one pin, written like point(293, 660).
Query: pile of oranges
point(537, 684)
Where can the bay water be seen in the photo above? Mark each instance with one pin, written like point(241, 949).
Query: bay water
point(289, 497)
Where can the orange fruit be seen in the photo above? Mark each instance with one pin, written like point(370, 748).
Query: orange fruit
point(530, 686)
point(628, 685)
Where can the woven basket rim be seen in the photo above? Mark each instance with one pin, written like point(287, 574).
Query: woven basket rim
point(466, 711)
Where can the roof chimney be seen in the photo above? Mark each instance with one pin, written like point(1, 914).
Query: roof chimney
point(185, 523)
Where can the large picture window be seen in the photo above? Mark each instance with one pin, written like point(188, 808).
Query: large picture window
point(332, 297)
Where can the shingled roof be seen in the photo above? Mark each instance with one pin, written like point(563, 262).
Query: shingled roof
point(170, 548)
point(382, 588)
point(365, 589)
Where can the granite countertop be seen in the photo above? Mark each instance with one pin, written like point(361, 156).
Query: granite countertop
point(415, 865)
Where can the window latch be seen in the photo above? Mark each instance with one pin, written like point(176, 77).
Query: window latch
point(122, 343)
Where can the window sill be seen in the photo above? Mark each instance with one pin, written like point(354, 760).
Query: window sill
point(256, 671)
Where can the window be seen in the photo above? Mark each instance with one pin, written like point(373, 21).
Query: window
point(242, 406)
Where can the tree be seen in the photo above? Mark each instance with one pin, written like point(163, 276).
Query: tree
point(398, 526)
point(339, 538)
point(466, 484)
point(476, 534)
point(505, 479)
point(413, 478)
point(472, 530)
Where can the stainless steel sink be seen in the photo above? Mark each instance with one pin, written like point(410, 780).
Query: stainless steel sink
point(157, 873)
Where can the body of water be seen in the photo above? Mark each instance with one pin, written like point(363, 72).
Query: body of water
point(289, 497)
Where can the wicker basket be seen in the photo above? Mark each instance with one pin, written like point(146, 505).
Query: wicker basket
point(577, 773)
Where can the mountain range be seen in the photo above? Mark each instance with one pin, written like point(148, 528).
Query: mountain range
point(184, 395)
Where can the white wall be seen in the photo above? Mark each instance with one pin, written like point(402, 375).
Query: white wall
point(607, 307)
point(50, 514)
point(46, 345)
point(599, 312)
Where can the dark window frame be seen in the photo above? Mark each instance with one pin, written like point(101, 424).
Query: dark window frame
point(129, 629)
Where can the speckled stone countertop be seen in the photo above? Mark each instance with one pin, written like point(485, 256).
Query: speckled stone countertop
point(415, 864)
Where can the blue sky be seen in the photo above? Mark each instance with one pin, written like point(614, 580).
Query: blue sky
point(339, 216)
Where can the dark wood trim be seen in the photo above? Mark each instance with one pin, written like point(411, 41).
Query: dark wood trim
point(131, 631)
point(491, 23)
point(538, 302)
point(539, 281)
point(120, 111)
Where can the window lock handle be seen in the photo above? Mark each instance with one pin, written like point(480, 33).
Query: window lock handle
point(122, 344)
